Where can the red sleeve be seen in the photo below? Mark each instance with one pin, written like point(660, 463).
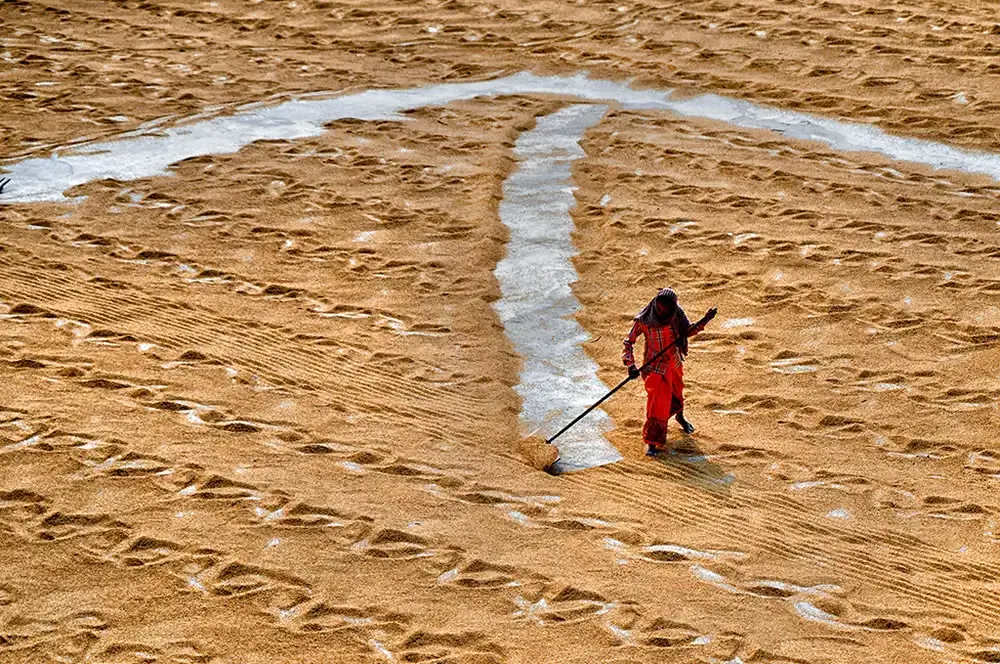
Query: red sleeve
point(627, 356)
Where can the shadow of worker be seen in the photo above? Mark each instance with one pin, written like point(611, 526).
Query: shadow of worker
point(682, 459)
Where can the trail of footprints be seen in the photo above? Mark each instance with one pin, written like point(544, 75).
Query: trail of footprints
point(708, 45)
point(824, 603)
point(292, 604)
point(827, 213)
point(289, 599)
point(80, 636)
point(188, 328)
point(189, 271)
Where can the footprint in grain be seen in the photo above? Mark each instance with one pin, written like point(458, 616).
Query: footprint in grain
point(479, 574)
point(132, 464)
point(143, 551)
point(8, 596)
point(428, 646)
point(21, 506)
point(304, 515)
point(325, 617)
point(396, 544)
point(236, 579)
point(217, 487)
point(176, 652)
point(67, 638)
point(566, 605)
point(666, 633)
point(94, 533)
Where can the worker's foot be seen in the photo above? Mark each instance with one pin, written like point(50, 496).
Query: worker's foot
point(652, 450)
point(686, 426)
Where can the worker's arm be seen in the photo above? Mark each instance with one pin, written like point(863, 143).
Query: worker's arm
point(705, 320)
point(628, 358)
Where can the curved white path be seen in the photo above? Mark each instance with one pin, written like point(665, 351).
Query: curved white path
point(558, 379)
point(138, 156)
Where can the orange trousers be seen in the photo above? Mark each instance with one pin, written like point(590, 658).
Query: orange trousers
point(664, 399)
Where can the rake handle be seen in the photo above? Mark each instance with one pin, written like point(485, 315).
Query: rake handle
point(613, 390)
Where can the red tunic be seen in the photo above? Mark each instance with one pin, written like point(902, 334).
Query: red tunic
point(664, 379)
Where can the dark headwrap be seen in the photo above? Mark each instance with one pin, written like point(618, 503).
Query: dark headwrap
point(678, 322)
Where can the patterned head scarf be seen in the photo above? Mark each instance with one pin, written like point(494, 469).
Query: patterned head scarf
point(677, 320)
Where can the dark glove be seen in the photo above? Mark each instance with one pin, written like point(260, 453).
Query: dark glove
point(709, 315)
point(632, 372)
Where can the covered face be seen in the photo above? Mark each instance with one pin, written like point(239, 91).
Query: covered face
point(664, 310)
point(665, 304)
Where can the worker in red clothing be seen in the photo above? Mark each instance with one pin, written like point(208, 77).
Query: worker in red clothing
point(663, 323)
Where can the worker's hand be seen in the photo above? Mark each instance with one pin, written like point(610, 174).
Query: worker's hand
point(633, 373)
point(709, 315)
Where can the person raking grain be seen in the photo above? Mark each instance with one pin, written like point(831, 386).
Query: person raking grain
point(662, 322)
